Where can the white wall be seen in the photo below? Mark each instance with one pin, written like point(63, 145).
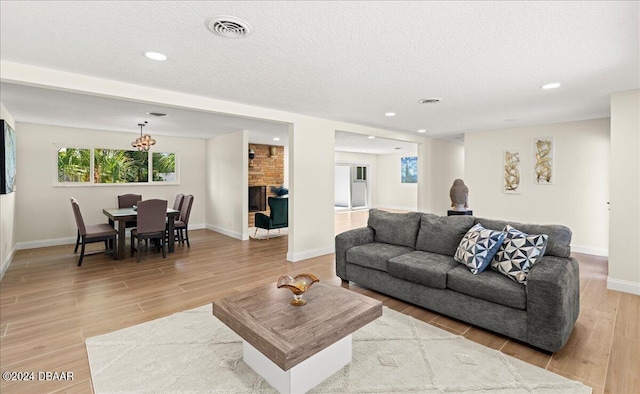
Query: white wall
point(43, 212)
point(7, 209)
point(447, 160)
point(578, 198)
point(227, 182)
point(392, 193)
point(311, 206)
point(426, 168)
point(624, 239)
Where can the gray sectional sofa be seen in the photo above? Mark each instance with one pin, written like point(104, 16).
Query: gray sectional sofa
point(409, 256)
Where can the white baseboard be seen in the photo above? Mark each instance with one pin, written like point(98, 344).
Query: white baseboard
point(7, 262)
point(590, 250)
point(227, 232)
point(72, 240)
point(309, 254)
point(45, 242)
point(623, 286)
point(397, 208)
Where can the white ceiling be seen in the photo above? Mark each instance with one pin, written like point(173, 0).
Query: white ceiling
point(360, 143)
point(350, 61)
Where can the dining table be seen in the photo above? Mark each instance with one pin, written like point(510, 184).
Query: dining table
point(123, 215)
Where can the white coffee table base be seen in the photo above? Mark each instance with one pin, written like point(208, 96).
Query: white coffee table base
point(304, 376)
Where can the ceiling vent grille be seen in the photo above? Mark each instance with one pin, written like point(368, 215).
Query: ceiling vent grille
point(228, 26)
point(158, 114)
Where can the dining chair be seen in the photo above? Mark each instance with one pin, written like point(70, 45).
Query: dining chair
point(183, 223)
point(177, 204)
point(128, 201)
point(92, 233)
point(151, 224)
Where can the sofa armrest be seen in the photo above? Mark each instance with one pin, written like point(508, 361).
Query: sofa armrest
point(347, 240)
point(553, 301)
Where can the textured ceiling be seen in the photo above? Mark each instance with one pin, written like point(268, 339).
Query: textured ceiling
point(350, 61)
point(360, 143)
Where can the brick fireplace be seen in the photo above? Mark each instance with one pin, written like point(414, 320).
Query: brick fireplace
point(265, 170)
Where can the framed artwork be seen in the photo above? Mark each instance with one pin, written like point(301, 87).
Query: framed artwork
point(409, 169)
point(543, 153)
point(511, 160)
point(8, 163)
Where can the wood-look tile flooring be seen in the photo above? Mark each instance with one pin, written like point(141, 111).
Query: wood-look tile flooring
point(49, 306)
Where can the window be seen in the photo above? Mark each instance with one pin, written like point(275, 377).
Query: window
point(164, 167)
point(74, 165)
point(82, 166)
point(120, 166)
point(361, 173)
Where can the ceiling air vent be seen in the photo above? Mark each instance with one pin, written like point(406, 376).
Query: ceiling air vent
point(158, 114)
point(228, 26)
point(429, 101)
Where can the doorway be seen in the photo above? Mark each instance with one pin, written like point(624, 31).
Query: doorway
point(351, 186)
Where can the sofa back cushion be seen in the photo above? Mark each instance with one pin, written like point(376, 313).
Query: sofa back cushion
point(395, 228)
point(442, 234)
point(558, 243)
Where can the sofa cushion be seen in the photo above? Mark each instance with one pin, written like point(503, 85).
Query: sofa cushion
point(477, 248)
point(375, 255)
point(395, 228)
point(442, 234)
point(518, 253)
point(558, 244)
point(424, 268)
point(489, 286)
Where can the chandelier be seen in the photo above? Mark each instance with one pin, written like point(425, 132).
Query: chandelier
point(144, 142)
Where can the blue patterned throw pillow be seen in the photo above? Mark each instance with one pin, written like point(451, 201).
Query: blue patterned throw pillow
point(518, 253)
point(477, 248)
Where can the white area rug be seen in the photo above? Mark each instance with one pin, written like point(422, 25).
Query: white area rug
point(262, 233)
point(193, 352)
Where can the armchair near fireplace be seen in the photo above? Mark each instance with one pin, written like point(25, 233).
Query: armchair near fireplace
point(278, 217)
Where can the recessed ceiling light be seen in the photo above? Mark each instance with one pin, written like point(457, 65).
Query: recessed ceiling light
point(551, 85)
point(429, 101)
point(422, 131)
point(390, 114)
point(155, 56)
point(276, 138)
point(372, 137)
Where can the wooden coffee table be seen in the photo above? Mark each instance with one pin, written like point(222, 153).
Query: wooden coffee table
point(296, 348)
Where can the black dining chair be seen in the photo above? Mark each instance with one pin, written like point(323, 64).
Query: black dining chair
point(128, 201)
point(152, 216)
point(183, 223)
point(92, 233)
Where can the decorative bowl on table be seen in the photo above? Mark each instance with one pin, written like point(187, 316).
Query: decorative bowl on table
point(298, 286)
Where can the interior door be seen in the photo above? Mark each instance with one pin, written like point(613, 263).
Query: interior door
point(343, 186)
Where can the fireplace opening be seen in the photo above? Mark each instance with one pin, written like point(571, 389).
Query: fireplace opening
point(257, 198)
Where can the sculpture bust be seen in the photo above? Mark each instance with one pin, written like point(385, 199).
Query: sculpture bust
point(459, 194)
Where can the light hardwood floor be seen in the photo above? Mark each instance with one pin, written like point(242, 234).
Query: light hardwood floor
point(49, 306)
